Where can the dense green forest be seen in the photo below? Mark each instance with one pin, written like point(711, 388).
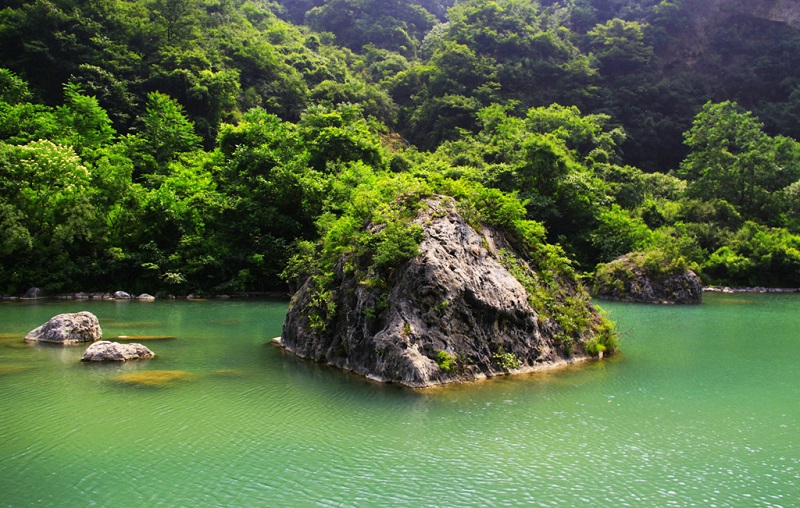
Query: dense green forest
point(209, 145)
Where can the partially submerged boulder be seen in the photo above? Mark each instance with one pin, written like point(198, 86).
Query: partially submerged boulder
point(469, 306)
point(68, 329)
point(638, 278)
point(104, 350)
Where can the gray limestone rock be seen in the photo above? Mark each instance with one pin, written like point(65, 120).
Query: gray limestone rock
point(104, 350)
point(453, 313)
point(68, 329)
point(628, 279)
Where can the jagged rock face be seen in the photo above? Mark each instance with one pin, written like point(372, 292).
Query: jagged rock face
point(68, 329)
point(626, 280)
point(454, 301)
point(706, 17)
point(780, 11)
point(104, 350)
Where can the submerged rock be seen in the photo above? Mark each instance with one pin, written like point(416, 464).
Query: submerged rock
point(6, 370)
point(453, 313)
point(104, 350)
point(68, 329)
point(630, 278)
point(153, 378)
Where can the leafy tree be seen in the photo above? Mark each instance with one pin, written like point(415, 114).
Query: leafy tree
point(274, 197)
point(734, 159)
point(618, 233)
point(396, 25)
point(620, 48)
point(165, 133)
point(13, 89)
point(45, 212)
point(84, 116)
point(176, 19)
point(757, 255)
point(339, 135)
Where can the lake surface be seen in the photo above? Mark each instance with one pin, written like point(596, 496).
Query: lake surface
point(702, 408)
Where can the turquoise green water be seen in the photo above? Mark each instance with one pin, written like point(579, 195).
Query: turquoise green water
point(702, 408)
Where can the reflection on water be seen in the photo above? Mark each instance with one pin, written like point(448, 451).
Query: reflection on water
point(699, 409)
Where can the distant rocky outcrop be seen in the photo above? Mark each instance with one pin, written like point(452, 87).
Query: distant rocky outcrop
point(68, 329)
point(704, 18)
point(630, 278)
point(122, 295)
point(453, 313)
point(33, 293)
point(779, 11)
point(104, 350)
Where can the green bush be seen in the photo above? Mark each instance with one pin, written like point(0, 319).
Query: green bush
point(757, 255)
point(446, 361)
point(505, 360)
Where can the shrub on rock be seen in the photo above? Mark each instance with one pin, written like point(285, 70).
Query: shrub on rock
point(647, 277)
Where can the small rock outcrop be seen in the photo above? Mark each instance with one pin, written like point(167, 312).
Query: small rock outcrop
point(33, 293)
point(68, 329)
point(122, 295)
point(453, 313)
point(630, 279)
point(103, 351)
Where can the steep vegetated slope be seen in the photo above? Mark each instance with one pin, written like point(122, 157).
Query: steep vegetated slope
point(196, 145)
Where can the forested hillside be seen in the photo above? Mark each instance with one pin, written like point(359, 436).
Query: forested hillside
point(208, 145)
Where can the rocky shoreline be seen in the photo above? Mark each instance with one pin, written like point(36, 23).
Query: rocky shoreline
point(279, 295)
point(757, 289)
point(39, 294)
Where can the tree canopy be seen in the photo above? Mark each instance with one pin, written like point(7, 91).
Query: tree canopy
point(203, 145)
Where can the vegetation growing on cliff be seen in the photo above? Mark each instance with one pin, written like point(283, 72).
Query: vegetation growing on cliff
point(199, 145)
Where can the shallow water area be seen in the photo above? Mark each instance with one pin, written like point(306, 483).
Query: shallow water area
point(699, 409)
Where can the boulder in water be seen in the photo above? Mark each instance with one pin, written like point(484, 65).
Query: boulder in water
point(104, 350)
point(635, 278)
point(68, 329)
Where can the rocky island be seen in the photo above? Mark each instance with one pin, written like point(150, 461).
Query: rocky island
point(469, 305)
point(637, 278)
